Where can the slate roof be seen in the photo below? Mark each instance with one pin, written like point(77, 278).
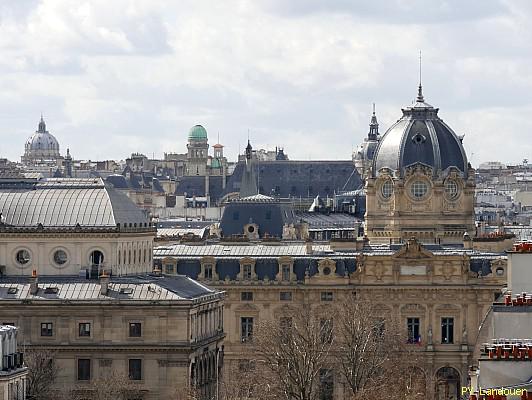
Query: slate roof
point(299, 178)
point(228, 257)
point(195, 186)
point(270, 216)
point(137, 181)
point(66, 203)
point(148, 288)
point(420, 136)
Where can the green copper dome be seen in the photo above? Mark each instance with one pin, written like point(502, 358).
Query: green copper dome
point(197, 132)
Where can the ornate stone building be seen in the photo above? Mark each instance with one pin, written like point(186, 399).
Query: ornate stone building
point(420, 264)
point(420, 183)
point(154, 334)
point(75, 268)
point(438, 295)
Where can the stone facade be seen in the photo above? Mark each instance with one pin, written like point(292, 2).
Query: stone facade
point(395, 212)
point(408, 281)
point(149, 331)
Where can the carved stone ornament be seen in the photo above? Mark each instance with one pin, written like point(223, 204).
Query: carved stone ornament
point(447, 271)
point(418, 169)
point(413, 249)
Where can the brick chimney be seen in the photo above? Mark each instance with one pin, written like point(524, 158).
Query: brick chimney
point(34, 286)
point(104, 283)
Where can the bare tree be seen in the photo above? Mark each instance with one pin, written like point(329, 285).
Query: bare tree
point(294, 352)
point(113, 386)
point(373, 357)
point(42, 373)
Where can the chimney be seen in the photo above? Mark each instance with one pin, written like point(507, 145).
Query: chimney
point(104, 283)
point(34, 287)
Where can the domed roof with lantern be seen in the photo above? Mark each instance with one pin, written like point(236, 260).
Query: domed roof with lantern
point(42, 145)
point(420, 136)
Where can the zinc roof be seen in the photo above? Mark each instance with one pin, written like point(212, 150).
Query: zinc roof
point(67, 203)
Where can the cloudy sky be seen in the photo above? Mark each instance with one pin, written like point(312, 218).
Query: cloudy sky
point(122, 76)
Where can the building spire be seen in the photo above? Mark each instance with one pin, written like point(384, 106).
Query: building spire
point(420, 98)
point(373, 126)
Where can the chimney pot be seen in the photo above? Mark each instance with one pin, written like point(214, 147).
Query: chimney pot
point(34, 282)
point(104, 283)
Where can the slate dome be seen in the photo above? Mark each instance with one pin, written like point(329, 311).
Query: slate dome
point(197, 132)
point(420, 136)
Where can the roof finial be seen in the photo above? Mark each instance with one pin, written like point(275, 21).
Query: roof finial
point(420, 98)
point(373, 126)
point(42, 125)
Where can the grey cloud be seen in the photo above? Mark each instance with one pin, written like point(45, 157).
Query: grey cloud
point(391, 11)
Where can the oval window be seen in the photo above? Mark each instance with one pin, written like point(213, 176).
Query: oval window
point(23, 257)
point(419, 189)
point(387, 189)
point(60, 257)
point(451, 189)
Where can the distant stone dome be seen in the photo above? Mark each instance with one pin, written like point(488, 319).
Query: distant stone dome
point(197, 132)
point(42, 145)
point(420, 136)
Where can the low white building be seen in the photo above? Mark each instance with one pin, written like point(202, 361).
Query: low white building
point(505, 339)
point(13, 373)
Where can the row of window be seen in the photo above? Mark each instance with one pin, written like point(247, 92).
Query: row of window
point(134, 256)
point(286, 296)
point(84, 370)
point(326, 329)
point(447, 330)
point(247, 272)
point(419, 189)
point(85, 329)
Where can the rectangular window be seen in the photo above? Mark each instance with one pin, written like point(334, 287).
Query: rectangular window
point(84, 369)
point(208, 272)
point(326, 330)
point(84, 329)
point(135, 369)
point(326, 296)
point(246, 296)
point(135, 329)
point(246, 330)
point(47, 329)
point(169, 268)
point(285, 272)
point(247, 272)
point(412, 325)
point(326, 385)
point(285, 296)
point(447, 330)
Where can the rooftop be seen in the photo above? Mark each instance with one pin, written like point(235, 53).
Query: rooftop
point(137, 288)
point(67, 202)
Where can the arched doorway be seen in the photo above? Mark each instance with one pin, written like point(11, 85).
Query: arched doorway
point(447, 384)
point(96, 261)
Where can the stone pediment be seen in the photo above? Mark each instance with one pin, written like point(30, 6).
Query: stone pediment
point(412, 249)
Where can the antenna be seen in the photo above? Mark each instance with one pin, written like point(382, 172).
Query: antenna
point(420, 98)
point(419, 67)
point(373, 108)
